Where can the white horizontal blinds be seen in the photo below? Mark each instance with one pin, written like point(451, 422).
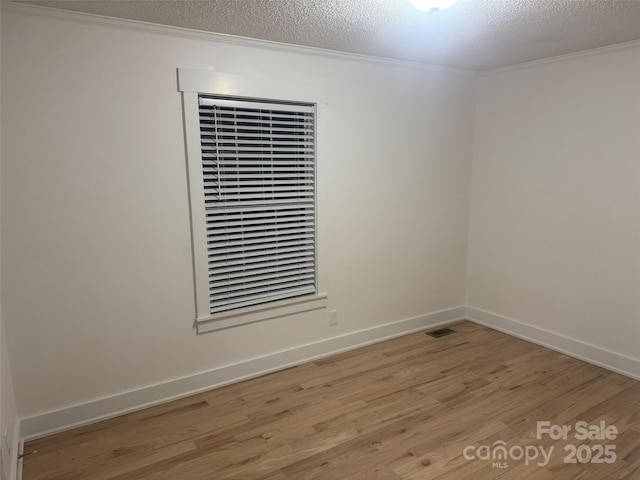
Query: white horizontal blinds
point(258, 165)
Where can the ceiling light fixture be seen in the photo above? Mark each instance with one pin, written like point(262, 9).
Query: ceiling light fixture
point(432, 5)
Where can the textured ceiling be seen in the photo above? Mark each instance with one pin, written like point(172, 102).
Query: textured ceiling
point(473, 34)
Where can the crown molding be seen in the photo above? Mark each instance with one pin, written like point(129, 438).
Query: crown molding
point(158, 29)
point(167, 30)
point(562, 58)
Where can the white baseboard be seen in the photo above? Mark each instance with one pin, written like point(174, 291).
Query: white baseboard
point(602, 357)
point(15, 469)
point(109, 407)
point(16, 465)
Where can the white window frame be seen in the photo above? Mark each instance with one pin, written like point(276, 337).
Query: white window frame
point(194, 82)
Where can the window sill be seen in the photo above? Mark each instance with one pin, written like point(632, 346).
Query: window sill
point(261, 312)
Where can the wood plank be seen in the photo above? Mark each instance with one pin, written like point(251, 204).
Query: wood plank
point(403, 409)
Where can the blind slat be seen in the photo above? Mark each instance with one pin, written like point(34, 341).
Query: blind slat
point(262, 202)
point(245, 270)
point(237, 219)
point(231, 244)
point(255, 105)
point(230, 294)
point(260, 225)
point(289, 165)
point(299, 131)
point(228, 256)
point(244, 236)
point(230, 304)
point(243, 144)
point(244, 283)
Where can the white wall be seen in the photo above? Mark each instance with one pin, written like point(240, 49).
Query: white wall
point(8, 414)
point(555, 207)
point(96, 275)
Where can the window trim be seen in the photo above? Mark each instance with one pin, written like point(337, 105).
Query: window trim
point(194, 82)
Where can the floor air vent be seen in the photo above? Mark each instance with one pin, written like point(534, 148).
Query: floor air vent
point(440, 333)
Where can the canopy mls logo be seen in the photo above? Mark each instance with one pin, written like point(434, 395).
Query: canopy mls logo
point(500, 453)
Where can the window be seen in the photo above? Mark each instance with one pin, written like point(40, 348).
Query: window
point(253, 206)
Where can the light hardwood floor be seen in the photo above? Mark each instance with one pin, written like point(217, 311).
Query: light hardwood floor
point(402, 409)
